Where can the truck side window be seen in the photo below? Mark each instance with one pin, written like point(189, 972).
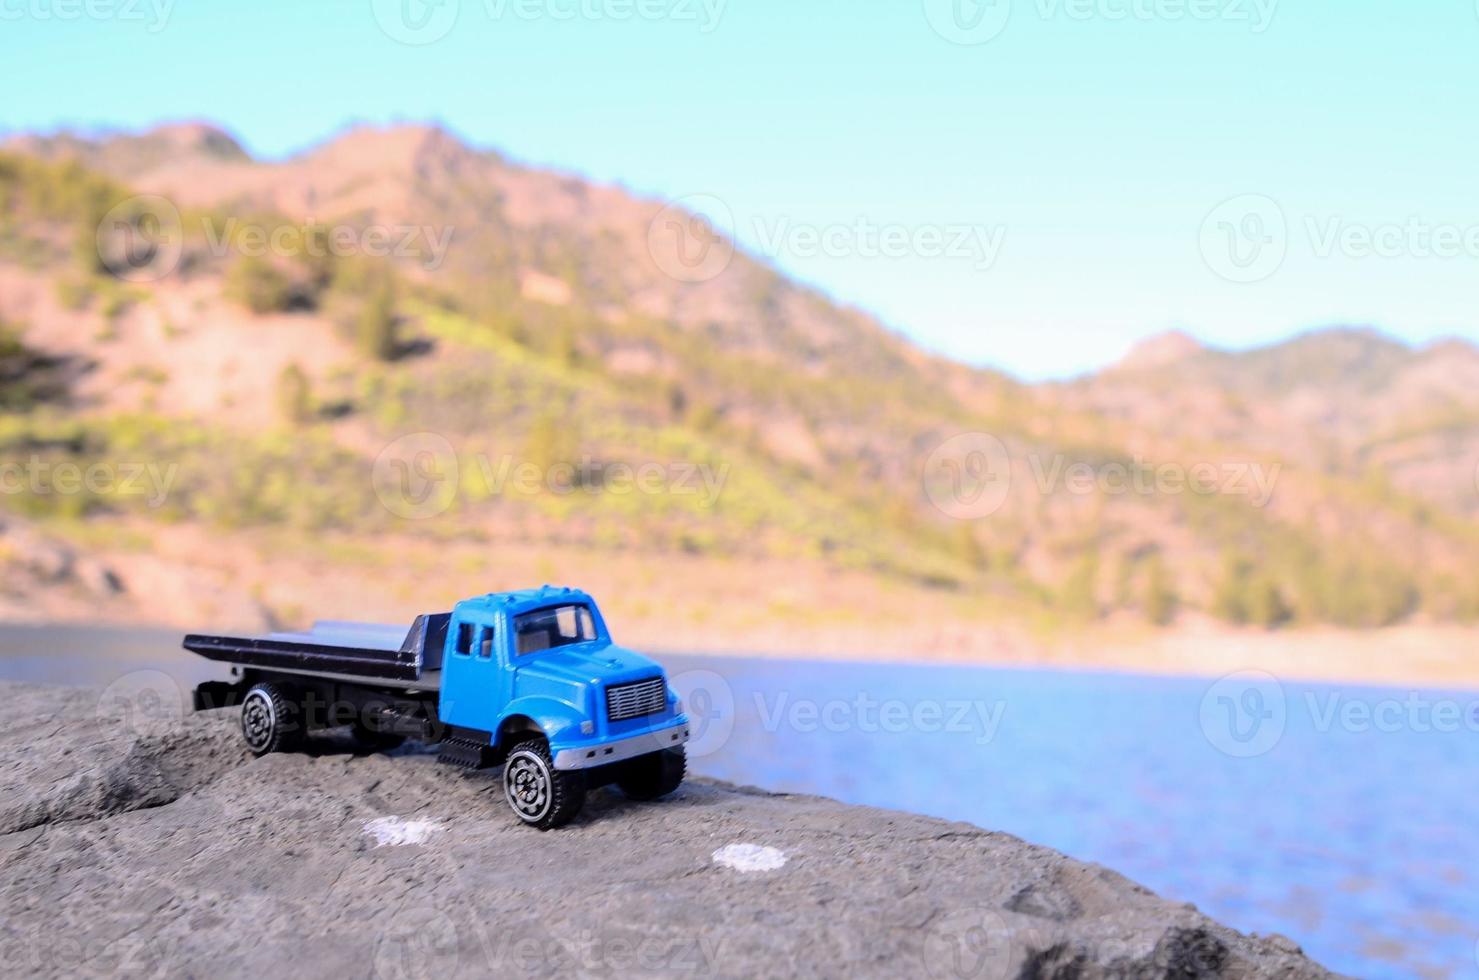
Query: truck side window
point(485, 643)
point(464, 639)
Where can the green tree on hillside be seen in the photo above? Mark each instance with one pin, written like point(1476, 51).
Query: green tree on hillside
point(26, 377)
point(294, 395)
point(1161, 600)
point(259, 285)
point(375, 327)
point(1078, 596)
point(968, 546)
point(553, 438)
point(1249, 597)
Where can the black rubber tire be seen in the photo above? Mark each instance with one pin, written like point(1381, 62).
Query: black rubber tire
point(271, 719)
point(538, 793)
point(653, 775)
point(374, 739)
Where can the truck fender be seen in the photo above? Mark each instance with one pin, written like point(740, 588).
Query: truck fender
point(559, 721)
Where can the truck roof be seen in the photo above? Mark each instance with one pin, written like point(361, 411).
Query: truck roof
point(525, 600)
point(371, 650)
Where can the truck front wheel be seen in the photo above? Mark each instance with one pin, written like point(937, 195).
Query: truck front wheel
point(539, 794)
point(269, 719)
point(655, 774)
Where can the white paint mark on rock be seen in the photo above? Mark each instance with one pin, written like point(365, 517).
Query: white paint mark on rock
point(750, 857)
point(398, 832)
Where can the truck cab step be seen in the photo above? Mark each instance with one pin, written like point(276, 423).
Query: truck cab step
point(467, 753)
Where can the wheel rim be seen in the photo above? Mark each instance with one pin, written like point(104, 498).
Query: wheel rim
point(257, 720)
point(526, 783)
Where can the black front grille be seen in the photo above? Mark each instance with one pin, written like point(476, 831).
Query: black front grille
point(636, 699)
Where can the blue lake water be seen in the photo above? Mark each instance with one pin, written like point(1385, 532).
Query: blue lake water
point(1342, 817)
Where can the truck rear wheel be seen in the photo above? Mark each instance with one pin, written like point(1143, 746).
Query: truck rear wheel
point(538, 793)
point(269, 719)
point(655, 774)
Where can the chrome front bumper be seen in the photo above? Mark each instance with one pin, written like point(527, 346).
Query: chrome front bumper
point(623, 749)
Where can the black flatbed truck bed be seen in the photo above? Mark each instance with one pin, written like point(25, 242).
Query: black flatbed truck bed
point(359, 652)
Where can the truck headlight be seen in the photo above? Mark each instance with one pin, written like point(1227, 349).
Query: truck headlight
point(587, 727)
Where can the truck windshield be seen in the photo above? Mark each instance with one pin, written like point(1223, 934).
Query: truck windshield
point(556, 626)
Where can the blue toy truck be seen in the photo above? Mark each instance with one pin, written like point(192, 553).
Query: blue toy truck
point(529, 680)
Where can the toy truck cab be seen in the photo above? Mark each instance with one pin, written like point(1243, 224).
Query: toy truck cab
point(533, 679)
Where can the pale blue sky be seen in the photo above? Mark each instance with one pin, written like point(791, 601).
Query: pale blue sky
point(1086, 144)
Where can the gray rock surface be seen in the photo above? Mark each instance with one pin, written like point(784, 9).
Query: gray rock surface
point(148, 843)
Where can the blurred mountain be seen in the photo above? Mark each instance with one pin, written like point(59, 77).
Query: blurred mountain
point(1345, 401)
point(129, 154)
point(415, 284)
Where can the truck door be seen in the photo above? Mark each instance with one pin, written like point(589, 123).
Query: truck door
point(475, 684)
